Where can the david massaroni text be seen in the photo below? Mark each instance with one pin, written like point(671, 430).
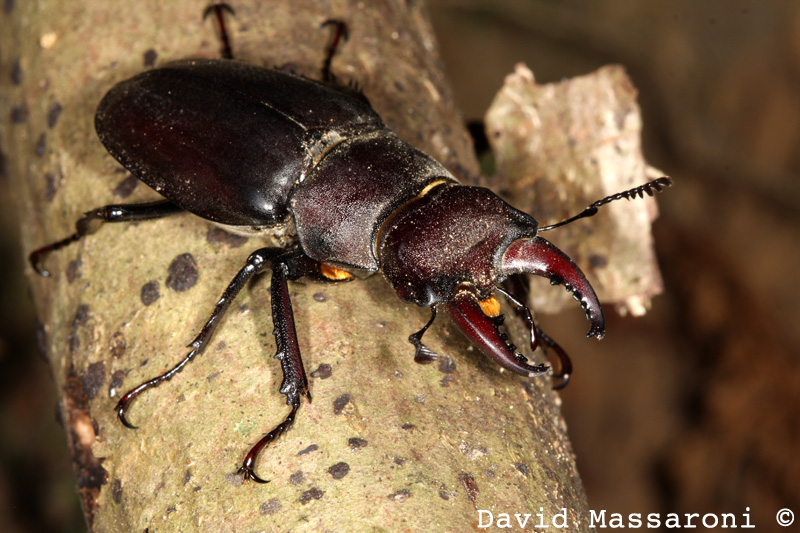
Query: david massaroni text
point(603, 519)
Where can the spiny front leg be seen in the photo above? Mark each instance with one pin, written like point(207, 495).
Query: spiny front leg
point(295, 382)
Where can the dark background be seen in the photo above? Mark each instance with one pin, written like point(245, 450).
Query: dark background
point(692, 409)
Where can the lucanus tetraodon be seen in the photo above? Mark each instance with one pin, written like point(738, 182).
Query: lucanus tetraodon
point(261, 151)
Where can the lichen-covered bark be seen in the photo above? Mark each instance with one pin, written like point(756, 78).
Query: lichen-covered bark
point(386, 444)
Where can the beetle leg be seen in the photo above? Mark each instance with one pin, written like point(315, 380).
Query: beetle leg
point(219, 10)
point(91, 221)
point(255, 264)
point(423, 354)
point(292, 266)
point(340, 34)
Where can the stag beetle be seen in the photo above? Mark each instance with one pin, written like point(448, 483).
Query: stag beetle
point(262, 151)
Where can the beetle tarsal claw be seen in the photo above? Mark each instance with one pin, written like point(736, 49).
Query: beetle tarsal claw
point(249, 474)
point(121, 408)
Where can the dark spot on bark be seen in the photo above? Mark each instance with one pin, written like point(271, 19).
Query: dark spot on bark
point(399, 87)
point(92, 476)
point(446, 381)
point(80, 319)
point(468, 481)
point(117, 378)
point(311, 494)
point(182, 273)
point(270, 506)
point(356, 443)
point(399, 461)
point(340, 403)
point(408, 426)
point(116, 491)
point(447, 365)
point(81, 315)
point(41, 145)
point(522, 467)
point(220, 236)
point(93, 378)
point(444, 495)
point(150, 292)
point(117, 344)
point(339, 470)
point(400, 495)
point(171, 509)
point(598, 261)
point(73, 269)
point(297, 478)
point(307, 450)
point(19, 114)
point(187, 476)
point(323, 371)
point(53, 113)
point(214, 375)
point(8, 6)
point(319, 297)
point(52, 184)
point(150, 57)
point(126, 187)
point(16, 72)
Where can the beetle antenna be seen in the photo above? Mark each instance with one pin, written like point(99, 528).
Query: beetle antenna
point(219, 10)
point(648, 188)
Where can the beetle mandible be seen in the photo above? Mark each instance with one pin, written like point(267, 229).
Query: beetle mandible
point(261, 151)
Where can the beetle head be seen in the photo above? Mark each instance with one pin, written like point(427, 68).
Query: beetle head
point(455, 244)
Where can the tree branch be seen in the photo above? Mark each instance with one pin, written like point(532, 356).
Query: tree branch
point(386, 443)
